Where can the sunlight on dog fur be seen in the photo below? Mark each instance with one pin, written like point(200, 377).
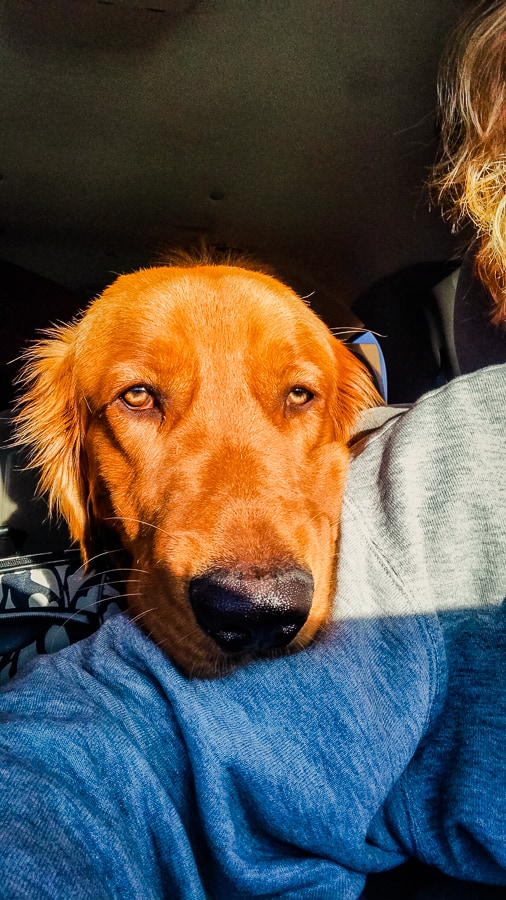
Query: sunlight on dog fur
point(198, 416)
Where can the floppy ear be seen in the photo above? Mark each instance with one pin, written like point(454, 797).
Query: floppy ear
point(51, 422)
point(355, 391)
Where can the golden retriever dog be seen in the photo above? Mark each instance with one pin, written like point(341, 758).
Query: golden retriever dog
point(199, 415)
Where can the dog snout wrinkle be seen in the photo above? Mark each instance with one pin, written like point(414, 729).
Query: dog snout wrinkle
point(252, 611)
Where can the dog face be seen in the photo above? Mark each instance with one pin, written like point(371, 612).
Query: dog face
point(202, 415)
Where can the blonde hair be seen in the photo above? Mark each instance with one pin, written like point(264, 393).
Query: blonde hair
point(469, 178)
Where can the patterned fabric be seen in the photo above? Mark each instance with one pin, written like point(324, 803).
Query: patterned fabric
point(47, 602)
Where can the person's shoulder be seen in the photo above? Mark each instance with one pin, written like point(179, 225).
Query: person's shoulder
point(428, 493)
point(474, 402)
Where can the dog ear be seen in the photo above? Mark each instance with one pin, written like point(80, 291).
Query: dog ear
point(355, 392)
point(50, 422)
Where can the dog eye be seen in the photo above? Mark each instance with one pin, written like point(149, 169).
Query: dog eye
point(299, 396)
point(138, 397)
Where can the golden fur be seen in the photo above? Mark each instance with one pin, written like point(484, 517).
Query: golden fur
point(199, 414)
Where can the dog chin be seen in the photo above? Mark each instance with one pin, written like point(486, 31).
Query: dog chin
point(197, 655)
point(217, 664)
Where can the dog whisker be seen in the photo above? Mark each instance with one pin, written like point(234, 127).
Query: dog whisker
point(317, 515)
point(353, 330)
point(145, 612)
point(74, 614)
point(138, 522)
point(114, 582)
point(92, 559)
point(124, 596)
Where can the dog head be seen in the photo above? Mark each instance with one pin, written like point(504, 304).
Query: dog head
point(201, 415)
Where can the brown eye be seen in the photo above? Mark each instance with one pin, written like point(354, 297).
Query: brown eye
point(299, 396)
point(138, 397)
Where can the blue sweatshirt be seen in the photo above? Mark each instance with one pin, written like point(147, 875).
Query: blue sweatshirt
point(386, 739)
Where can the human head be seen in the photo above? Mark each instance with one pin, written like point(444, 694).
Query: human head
point(470, 176)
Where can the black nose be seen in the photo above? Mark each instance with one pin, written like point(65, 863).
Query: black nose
point(251, 611)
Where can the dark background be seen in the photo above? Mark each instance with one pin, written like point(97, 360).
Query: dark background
point(300, 128)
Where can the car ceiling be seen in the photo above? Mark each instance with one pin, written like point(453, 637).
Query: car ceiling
point(299, 130)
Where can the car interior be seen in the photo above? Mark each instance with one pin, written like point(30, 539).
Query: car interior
point(302, 133)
